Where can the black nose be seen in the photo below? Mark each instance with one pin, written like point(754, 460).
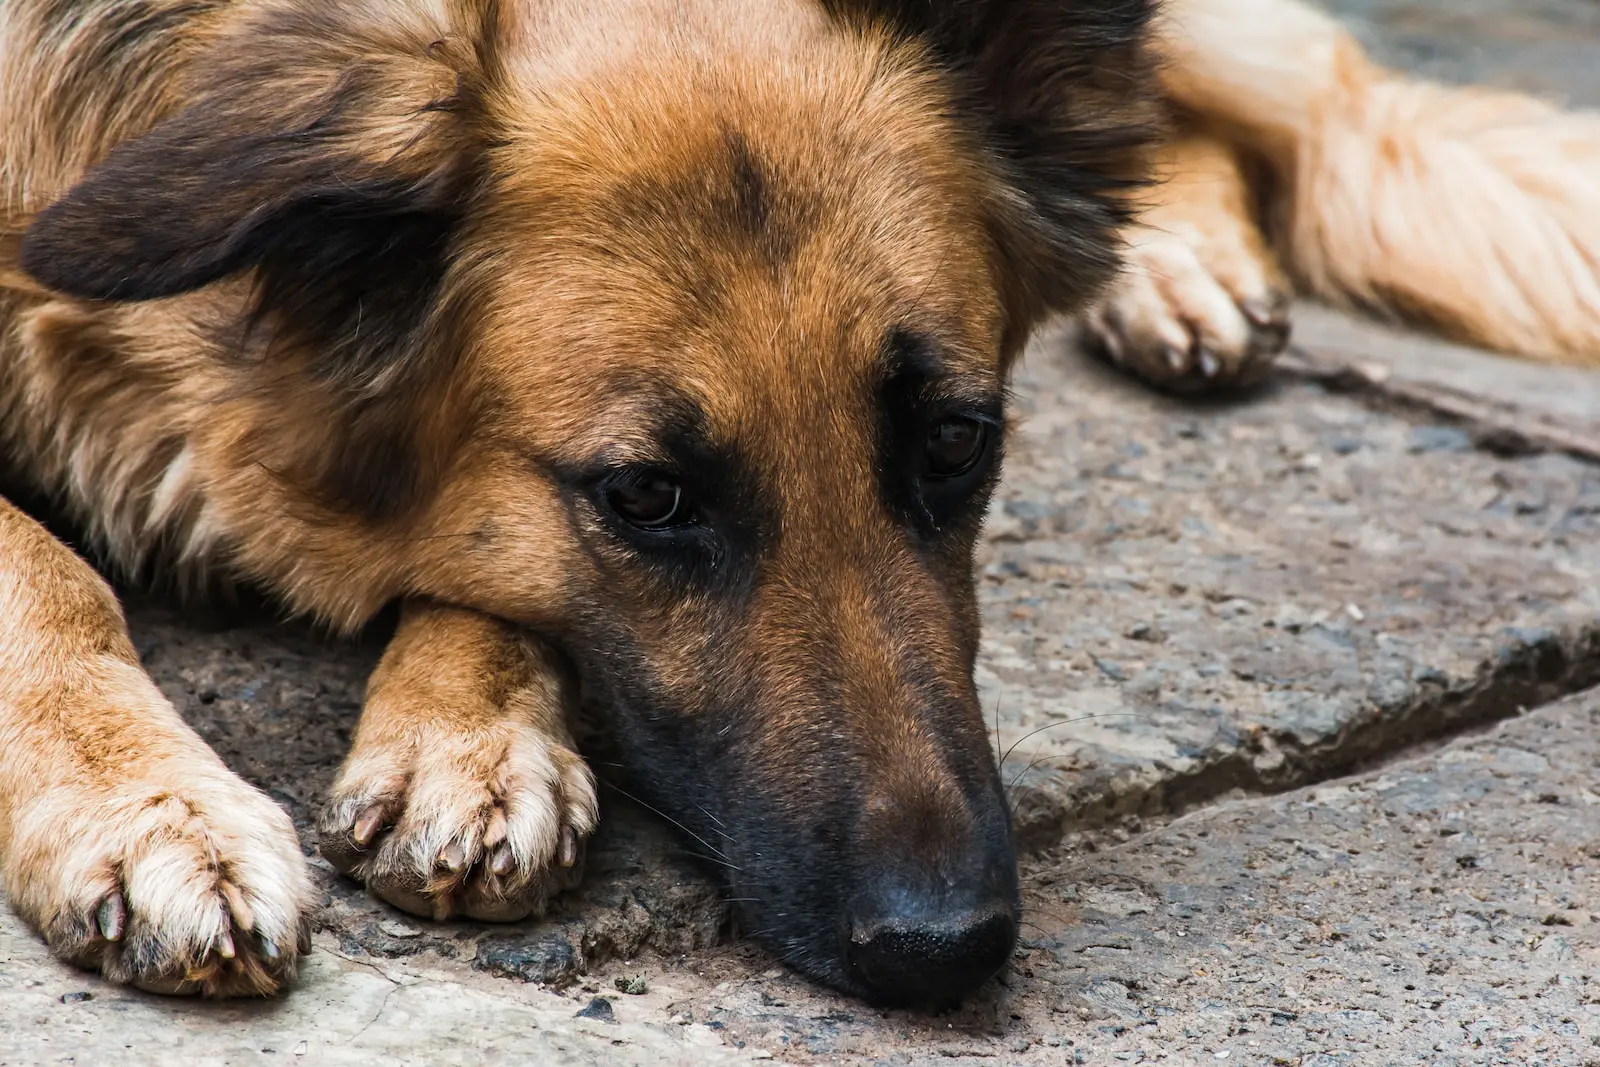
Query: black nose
point(931, 956)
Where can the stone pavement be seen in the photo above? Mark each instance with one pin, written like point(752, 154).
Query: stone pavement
point(1190, 609)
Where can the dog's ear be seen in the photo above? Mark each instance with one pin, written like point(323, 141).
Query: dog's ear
point(1061, 97)
point(330, 147)
point(333, 150)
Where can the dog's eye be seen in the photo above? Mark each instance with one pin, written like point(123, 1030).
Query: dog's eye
point(649, 500)
point(954, 446)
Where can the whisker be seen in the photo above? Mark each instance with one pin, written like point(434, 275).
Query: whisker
point(717, 829)
point(1061, 722)
point(675, 822)
point(1023, 773)
point(711, 859)
point(1065, 722)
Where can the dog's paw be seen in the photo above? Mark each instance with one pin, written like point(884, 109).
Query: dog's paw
point(1189, 315)
point(489, 823)
point(181, 886)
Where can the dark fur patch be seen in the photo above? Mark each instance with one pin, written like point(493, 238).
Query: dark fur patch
point(913, 395)
point(751, 209)
point(344, 251)
point(735, 202)
point(1061, 94)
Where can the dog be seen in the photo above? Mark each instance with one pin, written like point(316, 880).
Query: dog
point(651, 355)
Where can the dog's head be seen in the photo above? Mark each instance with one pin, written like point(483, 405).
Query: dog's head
point(696, 317)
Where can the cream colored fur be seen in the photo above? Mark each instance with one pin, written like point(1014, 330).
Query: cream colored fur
point(1473, 212)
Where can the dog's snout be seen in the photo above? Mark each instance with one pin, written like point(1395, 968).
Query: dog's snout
point(933, 910)
point(930, 948)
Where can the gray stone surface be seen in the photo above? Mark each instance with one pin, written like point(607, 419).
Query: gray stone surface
point(1566, 396)
point(1260, 593)
point(1191, 604)
point(1537, 46)
point(342, 1013)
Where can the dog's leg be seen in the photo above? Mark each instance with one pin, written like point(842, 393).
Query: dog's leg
point(1201, 301)
point(123, 838)
point(462, 793)
point(1472, 211)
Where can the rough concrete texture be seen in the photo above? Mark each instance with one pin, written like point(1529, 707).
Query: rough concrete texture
point(1262, 593)
point(342, 1012)
point(1443, 910)
point(1192, 605)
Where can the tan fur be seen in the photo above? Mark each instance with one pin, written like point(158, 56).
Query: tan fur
point(116, 812)
point(1472, 212)
point(655, 222)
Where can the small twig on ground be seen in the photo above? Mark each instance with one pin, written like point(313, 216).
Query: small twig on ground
point(1500, 428)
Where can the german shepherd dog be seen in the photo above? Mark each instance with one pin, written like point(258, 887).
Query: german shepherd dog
point(651, 354)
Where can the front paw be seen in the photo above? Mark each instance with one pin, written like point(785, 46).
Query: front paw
point(487, 822)
point(192, 884)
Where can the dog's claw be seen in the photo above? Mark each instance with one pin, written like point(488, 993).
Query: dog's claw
point(502, 863)
point(225, 947)
point(1111, 341)
point(367, 826)
point(268, 950)
point(1259, 312)
point(569, 847)
point(453, 858)
point(112, 916)
point(497, 829)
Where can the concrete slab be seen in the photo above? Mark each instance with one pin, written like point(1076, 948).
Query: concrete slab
point(1187, 599)
point(1537, 46)
point(342, 1012)
point(1528, 392)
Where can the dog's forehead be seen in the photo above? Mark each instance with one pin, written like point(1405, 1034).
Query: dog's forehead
point(758, 242)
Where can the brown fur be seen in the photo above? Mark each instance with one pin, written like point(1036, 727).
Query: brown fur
point(378, 301)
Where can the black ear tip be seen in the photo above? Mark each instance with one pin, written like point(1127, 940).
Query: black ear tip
point(36, 254)
point(58, 252)
point(70, 252)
